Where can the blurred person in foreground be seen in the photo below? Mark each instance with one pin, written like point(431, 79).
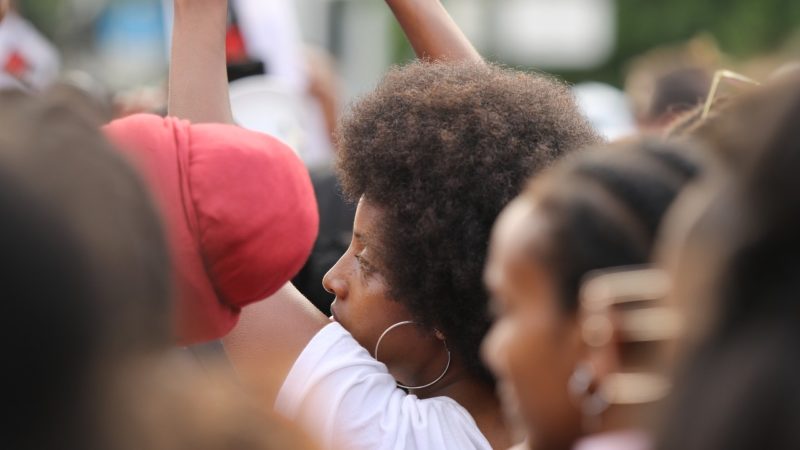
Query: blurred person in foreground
point(53, 272)
point(88, 326)
point(84, 269)
point(597, 210)
point(731, 249)
point(433, 154)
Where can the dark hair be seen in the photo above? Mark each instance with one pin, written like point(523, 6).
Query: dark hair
point(54, 142)
point(604, 208)
point(441, 149)
point(50, 310)
point(738, 388)
point(678, 91)
point(84, 269)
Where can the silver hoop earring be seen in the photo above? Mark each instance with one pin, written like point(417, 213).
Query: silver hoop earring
point(591, 404)
point(438, 379)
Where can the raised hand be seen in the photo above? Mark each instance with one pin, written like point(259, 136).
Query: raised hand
point(432, 32)
point(4, 7)
point(198, 81)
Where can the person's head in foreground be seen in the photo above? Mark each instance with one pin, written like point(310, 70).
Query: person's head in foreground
point(88, 320)
point(600, 209)
point(432, 156)
point(84, 268)
point(732, 250)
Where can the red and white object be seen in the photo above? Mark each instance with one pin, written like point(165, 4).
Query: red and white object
point(27, 59)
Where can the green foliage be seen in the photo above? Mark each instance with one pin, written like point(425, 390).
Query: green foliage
point(44, 13)
point(743, 28)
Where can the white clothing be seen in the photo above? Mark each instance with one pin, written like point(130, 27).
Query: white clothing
point(347, 399)
point(619, 440)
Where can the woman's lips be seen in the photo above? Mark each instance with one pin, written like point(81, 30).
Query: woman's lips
point(334, 317)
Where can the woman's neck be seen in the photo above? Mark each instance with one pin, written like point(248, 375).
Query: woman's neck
point(479, 399)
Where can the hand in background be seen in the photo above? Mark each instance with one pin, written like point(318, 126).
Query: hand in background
point(198, 80)
point(5, 5)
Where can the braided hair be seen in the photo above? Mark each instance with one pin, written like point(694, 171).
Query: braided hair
point(605, 206)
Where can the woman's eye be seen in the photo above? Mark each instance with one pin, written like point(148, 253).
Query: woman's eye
point(365, 265)
point(360, 260)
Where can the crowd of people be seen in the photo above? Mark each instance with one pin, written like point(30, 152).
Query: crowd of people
point(513, 279)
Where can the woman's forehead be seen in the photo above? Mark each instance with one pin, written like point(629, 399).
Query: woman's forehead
point(366, 220)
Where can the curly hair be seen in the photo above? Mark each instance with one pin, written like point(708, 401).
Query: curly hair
point(441, 148)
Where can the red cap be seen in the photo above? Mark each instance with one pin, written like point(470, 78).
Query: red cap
point(240, 213)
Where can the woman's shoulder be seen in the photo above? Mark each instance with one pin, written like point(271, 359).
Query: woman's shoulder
point(338, 391)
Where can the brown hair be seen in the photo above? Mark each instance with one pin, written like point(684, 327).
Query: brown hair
point(442, 148)
point(86, 278)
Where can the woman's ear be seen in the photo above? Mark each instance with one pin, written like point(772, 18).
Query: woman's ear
point(439, 335)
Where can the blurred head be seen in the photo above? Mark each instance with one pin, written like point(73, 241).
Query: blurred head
point(676, 92)
point(667, 80)
point(597, 210)
point(47, 327)
point(432, 155)
point(84, 180)
point(739, 378)
point(84, 267)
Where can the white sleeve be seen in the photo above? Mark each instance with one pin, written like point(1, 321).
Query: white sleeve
point(348, 400)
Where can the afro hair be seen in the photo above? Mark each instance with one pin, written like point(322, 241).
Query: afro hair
point(441, 148)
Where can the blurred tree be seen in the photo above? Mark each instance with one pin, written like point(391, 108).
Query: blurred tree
point(743, 29)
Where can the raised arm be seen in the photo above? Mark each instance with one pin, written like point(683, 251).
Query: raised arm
point(198, 79)
point(268, 339)
point(432, 32)
point(4, 7)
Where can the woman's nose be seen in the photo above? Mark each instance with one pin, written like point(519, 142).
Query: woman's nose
point(334, 283)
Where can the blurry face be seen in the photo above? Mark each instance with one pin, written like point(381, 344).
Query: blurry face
point(363, 307)
point(4, 5)
point(533, 347)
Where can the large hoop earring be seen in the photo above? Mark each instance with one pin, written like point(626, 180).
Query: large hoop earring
point(438, 379)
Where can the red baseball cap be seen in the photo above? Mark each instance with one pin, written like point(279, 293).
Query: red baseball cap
point(240, 213)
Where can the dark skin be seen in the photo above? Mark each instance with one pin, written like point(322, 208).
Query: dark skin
point(364, 308)
point(534, 345)
point(432, 32)
point(271, 334)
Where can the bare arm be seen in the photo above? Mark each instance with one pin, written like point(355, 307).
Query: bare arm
point(432, 32)
point(5, 5)
point(198, 79)
point(270, 336)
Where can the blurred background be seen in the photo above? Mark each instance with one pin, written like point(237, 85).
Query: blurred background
point(123, 42)
point(293, 64)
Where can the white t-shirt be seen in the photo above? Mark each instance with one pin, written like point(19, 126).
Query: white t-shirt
point(348, 400)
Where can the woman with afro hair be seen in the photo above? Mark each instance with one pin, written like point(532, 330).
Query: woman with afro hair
point(431, 156)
